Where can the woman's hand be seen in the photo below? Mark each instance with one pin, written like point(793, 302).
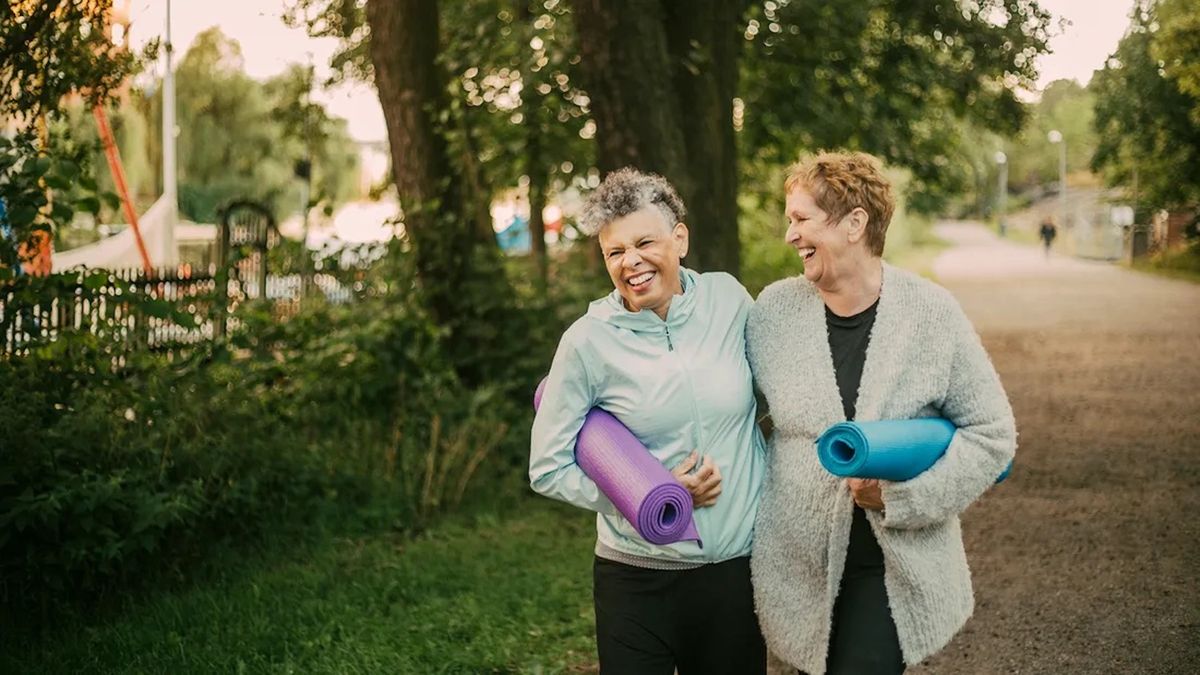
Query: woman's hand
point(867, 493)
point(704, 484)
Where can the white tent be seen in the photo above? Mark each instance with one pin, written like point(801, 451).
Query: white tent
point(120, 250)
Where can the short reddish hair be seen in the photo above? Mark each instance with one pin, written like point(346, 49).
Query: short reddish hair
point(839, 182)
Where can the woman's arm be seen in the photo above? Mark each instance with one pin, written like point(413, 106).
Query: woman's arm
point(568, 397)
point(983, 445)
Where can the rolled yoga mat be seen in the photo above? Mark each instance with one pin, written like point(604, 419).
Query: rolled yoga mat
point(895, 450)
point(641, 488)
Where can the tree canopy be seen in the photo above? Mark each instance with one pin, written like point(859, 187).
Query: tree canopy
point(664, 85)
point(1145, 111)
point(51, 48)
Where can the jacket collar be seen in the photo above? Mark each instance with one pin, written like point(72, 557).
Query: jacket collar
point(611, 309)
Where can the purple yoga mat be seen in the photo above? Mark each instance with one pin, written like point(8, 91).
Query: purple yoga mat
point(633, 480)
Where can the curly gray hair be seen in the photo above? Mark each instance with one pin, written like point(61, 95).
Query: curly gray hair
point(627, 191)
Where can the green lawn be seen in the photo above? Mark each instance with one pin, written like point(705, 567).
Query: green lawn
point(478, 594)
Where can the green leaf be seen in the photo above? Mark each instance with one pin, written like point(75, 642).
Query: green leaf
point(94, 281)
point(159, 309)
point(58, 181)
point(89, 204)
point(40, 166)
point(70, 170)
point(184, 319)
point(61, 212)
point(111, 200)
point(21, 217)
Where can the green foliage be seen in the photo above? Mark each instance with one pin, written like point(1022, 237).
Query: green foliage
point(890, 78)
point(1180, 263)
point(516, 88)
point(239, 138)
point(53, 48)
point(1144, 120)
point(1177, 46)
point(119, 463)
point(512, 79)
point(26, 171)
point(345, 20)
point(1067, 107)
point(226, 147)
point(767, 258)
point(309, 133)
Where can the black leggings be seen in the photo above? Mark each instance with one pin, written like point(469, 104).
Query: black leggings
point(863, 640)
point(701, 621)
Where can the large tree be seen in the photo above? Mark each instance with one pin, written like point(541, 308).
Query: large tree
point(445, 212)
point(1067, 107)
point(890, 77)
point(1147, 133)
point(885, 76)
point(1177, 45)
point(51, 48)
point(661, 77)
point(666, 82)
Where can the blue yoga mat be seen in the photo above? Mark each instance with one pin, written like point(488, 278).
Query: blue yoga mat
point(895, 450)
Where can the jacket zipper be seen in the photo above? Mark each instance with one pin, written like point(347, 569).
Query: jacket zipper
point(687, 376)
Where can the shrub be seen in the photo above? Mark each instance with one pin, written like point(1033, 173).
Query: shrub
point(108, 474)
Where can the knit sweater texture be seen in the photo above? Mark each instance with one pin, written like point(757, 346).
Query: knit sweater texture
point(924, 359)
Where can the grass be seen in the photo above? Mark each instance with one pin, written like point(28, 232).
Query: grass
point(1176, 264)
point(481, 593)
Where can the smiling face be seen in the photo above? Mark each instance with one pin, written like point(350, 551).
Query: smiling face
point(828, 248)
point(642, 252)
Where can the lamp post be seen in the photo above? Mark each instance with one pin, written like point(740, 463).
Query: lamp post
point(1002, 194)
point(1055, 137)
point(169, 167)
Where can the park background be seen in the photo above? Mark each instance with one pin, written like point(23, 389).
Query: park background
point(291, 435)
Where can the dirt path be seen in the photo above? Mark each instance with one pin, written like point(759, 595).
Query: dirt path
point(1088, 559)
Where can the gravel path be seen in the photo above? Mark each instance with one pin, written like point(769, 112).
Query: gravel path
point(1087, 559)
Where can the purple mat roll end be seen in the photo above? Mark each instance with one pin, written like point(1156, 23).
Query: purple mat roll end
point(641, 488)
point(537, 395)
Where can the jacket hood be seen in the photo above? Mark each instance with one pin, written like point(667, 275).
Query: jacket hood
point(611, 309)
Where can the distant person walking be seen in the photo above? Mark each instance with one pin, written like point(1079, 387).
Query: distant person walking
point(1047, 233)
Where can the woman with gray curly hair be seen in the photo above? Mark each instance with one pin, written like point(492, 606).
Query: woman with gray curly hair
point(665, 353)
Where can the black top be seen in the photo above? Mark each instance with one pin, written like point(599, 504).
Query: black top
point(848, 339)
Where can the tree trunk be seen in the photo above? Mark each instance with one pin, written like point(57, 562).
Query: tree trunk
point(627, 72)
point(661, 76)
point(704, 38)
point(534, 162)
point(537, 203)
point(457, 261)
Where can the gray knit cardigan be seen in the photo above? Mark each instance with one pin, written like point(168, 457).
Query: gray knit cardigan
point(923, 359)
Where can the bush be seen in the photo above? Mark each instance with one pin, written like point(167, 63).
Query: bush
point(1182, 262)
point(351, 411)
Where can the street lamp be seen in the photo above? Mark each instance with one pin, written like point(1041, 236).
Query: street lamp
point(1002, 195)
point(1055, 137)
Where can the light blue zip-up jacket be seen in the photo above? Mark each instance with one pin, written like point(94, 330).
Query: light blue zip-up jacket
point(679, 385)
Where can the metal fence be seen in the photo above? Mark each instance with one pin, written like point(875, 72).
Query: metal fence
point(164, 309)
point(111, 304)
